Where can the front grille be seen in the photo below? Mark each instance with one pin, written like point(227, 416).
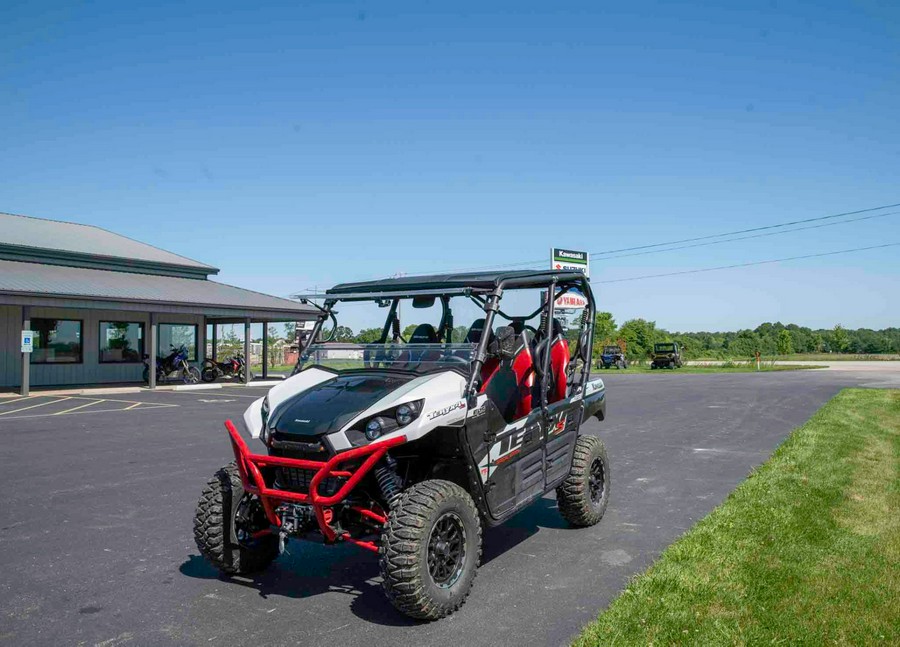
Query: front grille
point(297, 480)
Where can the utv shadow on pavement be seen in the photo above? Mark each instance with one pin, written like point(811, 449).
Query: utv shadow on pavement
point(309, 569)
point(543, 513)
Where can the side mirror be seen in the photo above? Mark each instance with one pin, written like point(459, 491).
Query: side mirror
point(504, 342)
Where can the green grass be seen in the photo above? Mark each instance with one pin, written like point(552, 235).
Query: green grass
point(817, 357)
point(280, 368)
point(730, 367)
point(806, 551)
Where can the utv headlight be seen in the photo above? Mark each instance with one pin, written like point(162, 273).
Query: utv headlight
point(373, 429)
point(404, 415)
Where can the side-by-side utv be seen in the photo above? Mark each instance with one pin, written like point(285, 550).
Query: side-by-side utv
point(613, 356)
point(410, 445)
point(665, 355)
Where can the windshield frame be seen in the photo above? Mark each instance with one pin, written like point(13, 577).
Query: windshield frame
point(489, 302)
point(419, 359)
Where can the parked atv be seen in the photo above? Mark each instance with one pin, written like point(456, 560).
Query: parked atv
point(667, 355)
point(409, 447)
point(613, 356)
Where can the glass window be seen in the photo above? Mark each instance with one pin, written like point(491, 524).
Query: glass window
point(177, 335)
point(56, 341)
point(121, 342)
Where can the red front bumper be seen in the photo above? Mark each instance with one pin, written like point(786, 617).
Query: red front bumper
point(249, 465)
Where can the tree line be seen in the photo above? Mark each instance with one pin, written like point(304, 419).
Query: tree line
point(639, 335)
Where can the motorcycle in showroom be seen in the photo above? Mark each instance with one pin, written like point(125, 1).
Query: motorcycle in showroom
point(175, 363)
point(231, 368)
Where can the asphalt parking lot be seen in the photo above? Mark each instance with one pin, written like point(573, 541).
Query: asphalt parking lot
point(95, 526)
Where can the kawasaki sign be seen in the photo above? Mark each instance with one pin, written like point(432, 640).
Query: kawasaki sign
point(570, 259)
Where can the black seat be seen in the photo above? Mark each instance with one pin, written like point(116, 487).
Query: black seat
point(475, 332)
point(424, 334)
point(419, 358)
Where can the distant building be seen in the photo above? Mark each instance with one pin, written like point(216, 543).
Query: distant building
point(97, 302)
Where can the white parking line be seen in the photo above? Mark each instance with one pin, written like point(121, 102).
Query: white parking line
point(134, 406)
point(35, 406)
point(80, 406)
point(227, 394)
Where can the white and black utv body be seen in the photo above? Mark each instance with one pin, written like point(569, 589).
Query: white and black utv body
point(408, 447)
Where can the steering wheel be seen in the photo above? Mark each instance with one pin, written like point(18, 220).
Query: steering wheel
point(373, 357)
point(454, 359)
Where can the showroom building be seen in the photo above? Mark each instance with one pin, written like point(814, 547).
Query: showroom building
point(97, 302)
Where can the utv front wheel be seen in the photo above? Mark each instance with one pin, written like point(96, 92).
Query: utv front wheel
point(430, 549)
point(583, 496)
point(225, 521)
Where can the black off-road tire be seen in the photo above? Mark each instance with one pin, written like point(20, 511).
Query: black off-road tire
point(579, 502)
point(405, 548)
point(214, 530)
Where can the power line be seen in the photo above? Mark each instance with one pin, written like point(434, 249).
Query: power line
point(753, 229)
point(656, 246)
point(771, 233)
point(737, 265)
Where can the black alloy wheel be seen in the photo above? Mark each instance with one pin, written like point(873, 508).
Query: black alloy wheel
point(447, 550)
point(596, 484)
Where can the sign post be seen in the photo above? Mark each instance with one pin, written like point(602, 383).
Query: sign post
point(27, 348)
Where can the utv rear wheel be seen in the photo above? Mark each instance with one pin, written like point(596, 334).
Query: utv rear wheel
point(583, 496)
point(430, 549)
point(225, 520)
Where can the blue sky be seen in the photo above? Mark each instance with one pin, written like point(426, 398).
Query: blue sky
point(309, 143)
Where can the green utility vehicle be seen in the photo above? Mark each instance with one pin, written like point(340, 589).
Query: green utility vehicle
point(665, 355)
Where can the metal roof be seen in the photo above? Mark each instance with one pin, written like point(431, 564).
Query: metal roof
point(478, 281)
point(36, 279)
point(68, 243)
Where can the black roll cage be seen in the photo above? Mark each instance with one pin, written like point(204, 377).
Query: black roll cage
point(556, 283)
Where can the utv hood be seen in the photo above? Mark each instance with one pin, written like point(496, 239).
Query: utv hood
point(331, 404)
